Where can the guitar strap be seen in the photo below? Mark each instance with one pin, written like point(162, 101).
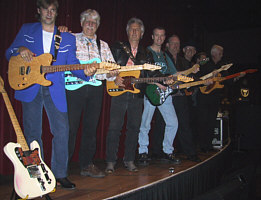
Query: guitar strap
point(99, 47)
point(128, 51)
point(57, 40)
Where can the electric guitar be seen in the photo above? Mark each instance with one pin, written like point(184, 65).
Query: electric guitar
point(129, 80)
point(32, 177)
point(73, 82)
point(157, 97)
point(216, 81)
point(23, 74)
point(222, 68)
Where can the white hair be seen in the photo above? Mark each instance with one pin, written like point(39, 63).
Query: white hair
point(90, 14)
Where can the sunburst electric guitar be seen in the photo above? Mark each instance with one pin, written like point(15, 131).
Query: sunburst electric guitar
point(32, 177)
point(23, 74)
point(128, 73)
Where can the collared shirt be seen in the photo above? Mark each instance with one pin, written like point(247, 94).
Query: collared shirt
point(87, 49)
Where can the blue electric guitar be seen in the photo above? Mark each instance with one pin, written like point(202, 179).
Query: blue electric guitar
point(73, 83)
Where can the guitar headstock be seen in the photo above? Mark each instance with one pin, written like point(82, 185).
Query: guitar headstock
point(151, 67)
point(225, 67)
point(108, 66)
point(184, 78)
point(2, 90)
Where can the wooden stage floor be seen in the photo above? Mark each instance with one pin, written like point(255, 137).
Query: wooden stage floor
point(116, 184)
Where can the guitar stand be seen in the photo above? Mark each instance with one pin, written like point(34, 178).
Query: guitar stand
point(14, 196)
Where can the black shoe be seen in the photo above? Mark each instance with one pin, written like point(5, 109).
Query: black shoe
point(193, 158)
point(143, 159)
point(171, 158)
point(65, 183)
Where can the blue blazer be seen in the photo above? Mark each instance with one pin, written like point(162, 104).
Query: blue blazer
point(30, 36)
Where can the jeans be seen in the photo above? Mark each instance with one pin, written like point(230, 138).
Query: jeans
point(86, 100)
point(32, 121)
point(131, 104)
point(168, 112)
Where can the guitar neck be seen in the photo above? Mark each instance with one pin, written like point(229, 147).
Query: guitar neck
point(19, 134)
point(60, 68)
point(151, 80)
point(122, 69)
point(187, 85)
point(190, 70)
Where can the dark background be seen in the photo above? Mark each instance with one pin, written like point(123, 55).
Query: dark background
point(235, 25)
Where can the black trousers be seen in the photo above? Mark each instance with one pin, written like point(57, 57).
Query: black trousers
point(131, 104)
point(185, 139)
point(206, 122)
point(86, 102)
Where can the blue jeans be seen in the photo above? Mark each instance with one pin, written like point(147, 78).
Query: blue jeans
point(32, 121)
point(168, 112)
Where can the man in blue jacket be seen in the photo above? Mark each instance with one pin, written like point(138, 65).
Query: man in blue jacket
point(32, 40)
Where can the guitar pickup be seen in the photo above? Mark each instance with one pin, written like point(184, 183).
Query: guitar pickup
point(22, 70)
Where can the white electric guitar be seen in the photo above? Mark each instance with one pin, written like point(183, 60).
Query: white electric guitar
point(32, 177)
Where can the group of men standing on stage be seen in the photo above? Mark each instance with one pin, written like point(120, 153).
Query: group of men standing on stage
point(64, 106)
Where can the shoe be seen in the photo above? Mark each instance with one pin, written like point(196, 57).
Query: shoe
point(130, 166)
point(143, 159)
point(65, 183)
point(110, 167)
point(193, 158)
point(171, 158)
point(92, 171)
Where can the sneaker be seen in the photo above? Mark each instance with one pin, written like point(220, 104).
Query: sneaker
point(110, 167)
point(171, 158)
point(130, 166)
point(143, 159)
point(92, 171)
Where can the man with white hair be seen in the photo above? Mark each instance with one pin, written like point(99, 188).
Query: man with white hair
point(85, 97)
point(208, 104)
point(127, 53)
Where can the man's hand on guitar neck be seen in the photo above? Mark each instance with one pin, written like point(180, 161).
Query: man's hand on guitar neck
point(119, 81)
point(26, 54)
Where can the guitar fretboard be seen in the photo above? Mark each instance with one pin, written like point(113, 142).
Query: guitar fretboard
point(19, 134)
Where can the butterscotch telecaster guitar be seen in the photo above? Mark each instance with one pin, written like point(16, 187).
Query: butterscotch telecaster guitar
point(22, 74)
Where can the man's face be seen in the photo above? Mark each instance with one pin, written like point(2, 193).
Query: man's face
point(201, 58)
point(216, 55)
point(134, 32)
point(158, 37)
point(89, 27)
point(189, 52)
point(48, 15)
point(173, 45)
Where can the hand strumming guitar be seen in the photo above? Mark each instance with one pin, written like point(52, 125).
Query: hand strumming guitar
point(26, 54)
point(119, 81)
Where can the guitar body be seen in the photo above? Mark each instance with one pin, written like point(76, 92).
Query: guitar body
point(73, 83)
point(31, 179)
point(157, 96)
point(23, 74)
point(209, 88)
point(114, 90)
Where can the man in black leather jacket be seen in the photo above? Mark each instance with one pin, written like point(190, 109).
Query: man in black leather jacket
point(126, 54)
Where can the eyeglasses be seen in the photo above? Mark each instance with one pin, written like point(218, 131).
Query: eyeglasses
point(91, 23)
